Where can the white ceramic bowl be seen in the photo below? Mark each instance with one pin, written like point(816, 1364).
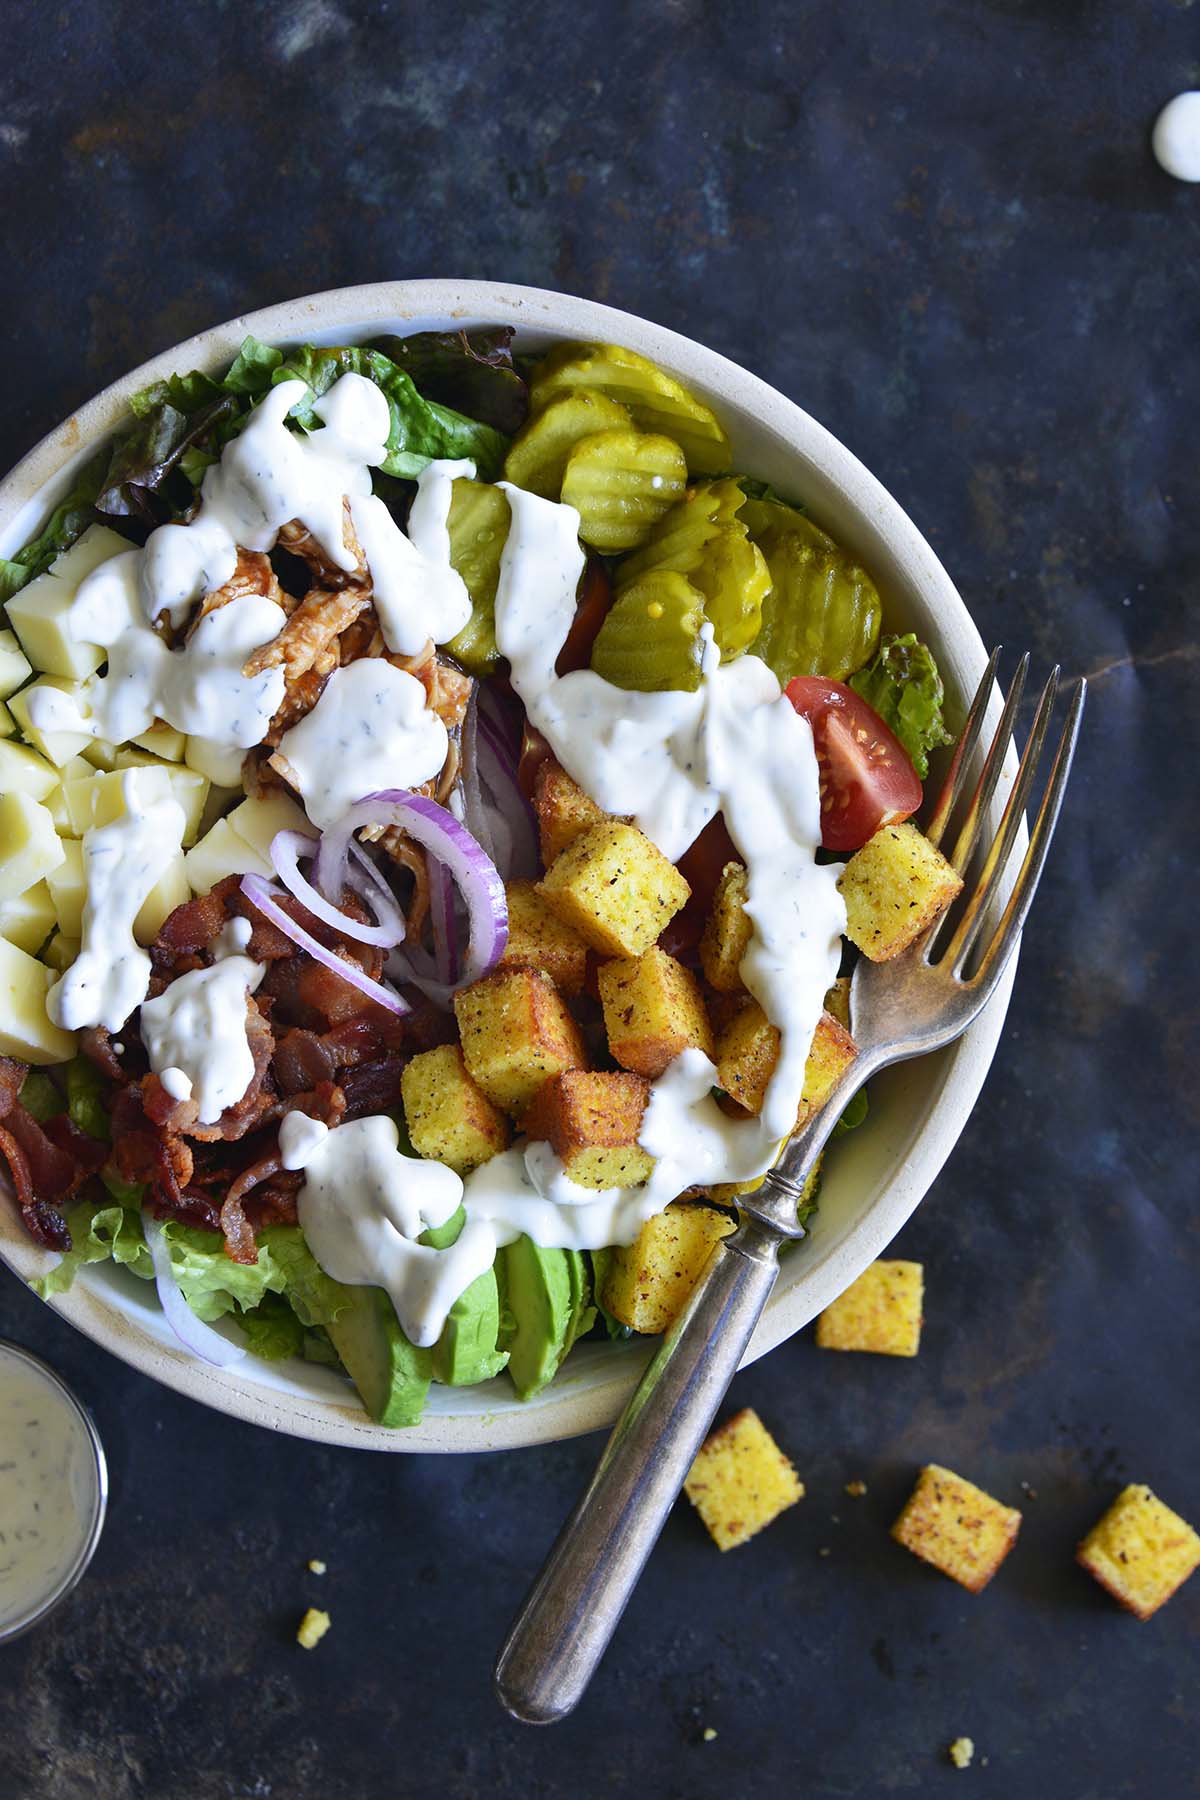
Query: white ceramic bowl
point(875, 1178)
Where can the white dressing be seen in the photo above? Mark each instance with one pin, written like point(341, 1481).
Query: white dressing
point(196, 1030)
point(418, 595)
point(369, 730)
point(122, 862)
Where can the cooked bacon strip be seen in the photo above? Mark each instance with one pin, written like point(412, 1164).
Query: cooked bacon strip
point(88, 1154)
point(12, 1080)
point(95, 1042)
point(373, 1087)
point(52, 1170)
point(44, 1223)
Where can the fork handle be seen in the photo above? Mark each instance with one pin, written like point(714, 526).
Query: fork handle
point(564, 1627)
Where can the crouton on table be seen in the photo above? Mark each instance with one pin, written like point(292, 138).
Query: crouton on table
point(653, 1010)
point(449, 1117)
point(516, 1032)
point(894, 888)
point(741, 1480)
point(648, 1281)
point(591, 1122)
point(956, 1527)
point(615, 888)
point(880, 1312)
point(1140, 1551)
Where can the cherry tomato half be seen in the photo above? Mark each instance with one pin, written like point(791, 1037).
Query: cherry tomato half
point(867, 779)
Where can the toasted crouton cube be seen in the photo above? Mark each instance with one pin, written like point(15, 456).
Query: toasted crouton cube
point(1140, 1551)
point(591, 1122)
point(450, 1119)
point(516, 1032)
point(538, 939)
point(748, 1049)
point(958, 1528)
point(729, 1192)
point(727, 932)
point(615, 887)
point(837, 1000)
point(741, 1480)
point(653, 1009)
point(894, 887)
point(880, 1312)
point(562, 810)
point(648, 1281)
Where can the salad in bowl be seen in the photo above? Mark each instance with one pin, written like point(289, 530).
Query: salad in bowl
point(443, 793)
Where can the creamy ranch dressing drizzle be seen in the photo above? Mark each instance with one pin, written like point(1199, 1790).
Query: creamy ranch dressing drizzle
point(195, 1034)
point(370, 729)
point(47, 1488)
point(121, 863)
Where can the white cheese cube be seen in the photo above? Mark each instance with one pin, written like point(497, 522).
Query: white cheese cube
point(60, 952)
point(27, 918)
point(100, 753)
point(97, 798)
point(15, 668)
point(68, 888)
point(222, 852)
point(168, 892)
point(8, 725)
point(220, 765)
point(95, 546)
point(59, 746)
point(29, 845)
point(26, 1029)
point(22, 770)
point(259, 818)
point(39, 616)
point(161, 740)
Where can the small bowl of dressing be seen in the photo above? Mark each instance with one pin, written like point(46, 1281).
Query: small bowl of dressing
point(53, 1490)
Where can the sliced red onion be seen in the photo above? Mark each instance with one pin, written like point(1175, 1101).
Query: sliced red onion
point(504, 722)
point(505, 804)
point(452, 845)
point(266, 899)
point(468, 788)
point(445, 925)
point(192, 1332)
point(287, 847)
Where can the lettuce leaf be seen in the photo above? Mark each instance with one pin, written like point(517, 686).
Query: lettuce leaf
point(173, 417)
point(470, 371)
point(314, 1296)
point(271, 1330)
point(40, 1097)
point(87, 1098)
point(903, 685)
point(421, 429)
point(213, 1284)
point(70, 518)
point(100, 1231)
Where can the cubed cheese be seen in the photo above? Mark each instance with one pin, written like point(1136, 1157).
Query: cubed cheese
point(169, 891)
point(29, 845)
point(15, 668)
point(222, 852)
point(26, 918)
point(26, 1029)
point(98, 797)
point(39, 616)
point(100, 753)
point(59, 746)
point(162, 740)
point(8, 725)
point(68, 889)
point(60, 952)
point(22, 770)
point(257, 820)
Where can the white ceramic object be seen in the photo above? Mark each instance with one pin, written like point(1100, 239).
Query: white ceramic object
point(875, 1178)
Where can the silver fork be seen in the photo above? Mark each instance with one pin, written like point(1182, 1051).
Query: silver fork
point(899, 1009)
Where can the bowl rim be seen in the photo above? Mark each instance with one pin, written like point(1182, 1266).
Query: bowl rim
point(557, 1413)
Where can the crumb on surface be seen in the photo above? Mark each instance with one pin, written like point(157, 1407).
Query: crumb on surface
point(316, 1566)
point(709, 1734)
point(961, 1751)
point(856, 1488)
point(1140, 1551)
point(824, 1550)
point(313, 1627)
point(741, 1480)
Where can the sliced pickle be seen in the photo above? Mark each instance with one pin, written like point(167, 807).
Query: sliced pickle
point(657, 401)
point(538, 454)
point(622, 482)
point(478, 525)
point(705, 539)
point(823, 613)
point(679, 540)
point(650, 638)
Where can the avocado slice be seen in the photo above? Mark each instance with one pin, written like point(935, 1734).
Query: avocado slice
point(391, 1375)
point(546, 1294)
point(467, 1350)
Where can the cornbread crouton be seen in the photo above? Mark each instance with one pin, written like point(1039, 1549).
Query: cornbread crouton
point(748, 1049)
point(956, 1527)
point(741, 1480)
point(591, 1122)
point(562, 810)
point(653, 1009)
point(880, 1312)
point(516, 1032)
point(313, 1627)
point(729, 1192)
point(894, 887)
point(450, 1118)
point(1140, 1551)
point(727, 932)
point(648, 1281)
point(538, 939)
point(837, 1000)
point(615, 887)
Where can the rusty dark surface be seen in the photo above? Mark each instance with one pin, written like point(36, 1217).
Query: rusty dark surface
point(941, 230)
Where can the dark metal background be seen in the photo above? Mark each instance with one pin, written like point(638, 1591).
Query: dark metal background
point(940, 229)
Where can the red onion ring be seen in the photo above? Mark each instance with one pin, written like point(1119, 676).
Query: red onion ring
point(192, 1332)
point(265, 899)
point(287, 847)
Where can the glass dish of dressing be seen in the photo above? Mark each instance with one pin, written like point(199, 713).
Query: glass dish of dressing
point(53, 1490)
